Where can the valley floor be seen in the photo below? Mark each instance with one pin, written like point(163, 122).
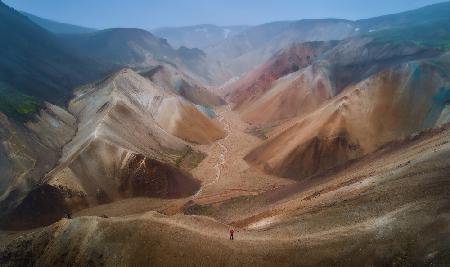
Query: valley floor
point(389, 208)
point(224, 175)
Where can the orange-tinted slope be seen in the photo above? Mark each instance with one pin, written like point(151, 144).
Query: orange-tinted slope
point(347, 63)
point(386, 106)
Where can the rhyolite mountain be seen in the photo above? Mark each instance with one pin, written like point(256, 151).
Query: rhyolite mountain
point(330, 72)
point(346, 63)
point(352, 99)
point(255, 83)
point(389, 105)
point(38, 73)
point(101, 160)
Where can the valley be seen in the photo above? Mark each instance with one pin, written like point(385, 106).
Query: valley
point(320, 142)
point(410, 192)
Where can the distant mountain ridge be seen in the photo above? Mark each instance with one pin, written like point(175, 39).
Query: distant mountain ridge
point(121, 46)
point(57, 27)
point(231, 51)
point(246, 50)
point(198, 36)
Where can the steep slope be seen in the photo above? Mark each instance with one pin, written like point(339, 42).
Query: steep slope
point(198, 36)
point(171, 78)
point(125, 146)
point(29, 151)
point(347, 63)
point(141, 96)
point(37, 70)
point(257, 82)
point(57, 27)
point(389, 105)
point(106, 112)
point(36, 63)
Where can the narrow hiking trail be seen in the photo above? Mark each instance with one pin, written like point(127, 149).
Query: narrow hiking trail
point(221, 160)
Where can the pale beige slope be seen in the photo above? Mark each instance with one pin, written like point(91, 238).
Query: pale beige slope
point(125, 142)
point(384, 107)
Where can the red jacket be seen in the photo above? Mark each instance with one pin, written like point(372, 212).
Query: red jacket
point(231, 232)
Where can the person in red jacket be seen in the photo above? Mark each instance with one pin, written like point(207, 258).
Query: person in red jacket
point(231, 234)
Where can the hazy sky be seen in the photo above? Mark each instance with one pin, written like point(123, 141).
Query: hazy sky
point(150, 14)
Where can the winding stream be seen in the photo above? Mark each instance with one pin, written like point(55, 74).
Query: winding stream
point(223, 151)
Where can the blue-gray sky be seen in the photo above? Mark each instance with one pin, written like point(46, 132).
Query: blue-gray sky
point(149, 14)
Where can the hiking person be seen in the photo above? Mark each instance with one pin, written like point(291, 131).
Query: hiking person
point(231, 234)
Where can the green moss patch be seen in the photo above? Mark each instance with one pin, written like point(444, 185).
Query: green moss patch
point(197, 209)
point(15, 104)
point(189, 159)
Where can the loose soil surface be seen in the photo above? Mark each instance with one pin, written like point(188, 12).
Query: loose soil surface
point(389, 208)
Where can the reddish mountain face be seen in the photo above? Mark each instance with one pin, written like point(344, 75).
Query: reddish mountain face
point(262, 98)
point(386, 106)
point(257, 82)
